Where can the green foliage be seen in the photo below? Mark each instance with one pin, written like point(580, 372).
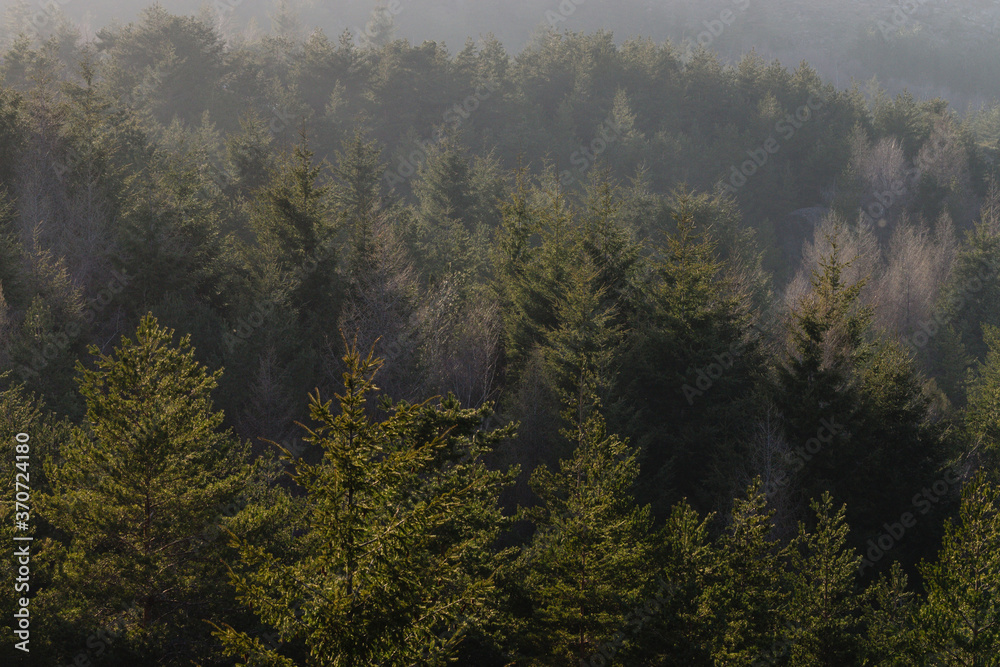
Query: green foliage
point(970, 298)
point(156, 170)
point(889, 616)
point(688, 367)
point(743, 600)
point(585, 566)
point(824, 604)
point(983, 411)
point(392, 565)
point(958, 620)
point(137, 496)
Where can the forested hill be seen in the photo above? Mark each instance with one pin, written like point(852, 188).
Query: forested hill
point(597, 351)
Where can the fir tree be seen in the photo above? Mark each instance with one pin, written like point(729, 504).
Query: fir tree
point(392, 565)
point(889, 617)
point(824, 604)
point(744, 599)
point(983, 412)
point(140, 493)
point(958, 623)
point(584, 569)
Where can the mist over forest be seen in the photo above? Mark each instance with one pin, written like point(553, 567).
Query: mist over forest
point(543, 333)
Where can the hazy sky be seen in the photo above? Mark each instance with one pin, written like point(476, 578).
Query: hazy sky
point(822, 32)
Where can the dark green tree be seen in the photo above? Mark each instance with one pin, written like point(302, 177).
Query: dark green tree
point(392, 563)
point(138, 496)
point(982, 415)
point(586, 565)
point(958, 622)
point(744, 598)
point(824, 604)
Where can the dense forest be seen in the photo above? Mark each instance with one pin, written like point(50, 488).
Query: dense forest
point(350, 351)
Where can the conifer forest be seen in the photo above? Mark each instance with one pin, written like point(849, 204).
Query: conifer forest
point(507, 333)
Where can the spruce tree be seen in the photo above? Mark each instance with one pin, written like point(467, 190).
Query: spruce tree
point(585, 566)
point(391, 564)
point(824, 605)
point(744, 598)
point(853, 408)
point(587, 563)
point(982, 415)
point(140, 493)
point(890, 638)
point(958, 622)
point(970, 297)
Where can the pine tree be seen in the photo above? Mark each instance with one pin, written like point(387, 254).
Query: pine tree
point(958, 623)
point(826, 342)
point(889, 616)
point(744, 599)
point(293, 267)
point(140, 493)
point(824, 604)
point(532, 255)
point(392, 565)
point(585, 567)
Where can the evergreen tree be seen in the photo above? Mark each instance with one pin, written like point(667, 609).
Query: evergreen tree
point(456, 209)
point(852, 405)
point(744, 599)
point(970, 297)
point(688, 370)
point(824, 605)
point(139, 494)
point(958, 621)
point(392, 564)
point(678, 630)
point(982, 415)
point(889, 617)
point(585, 567)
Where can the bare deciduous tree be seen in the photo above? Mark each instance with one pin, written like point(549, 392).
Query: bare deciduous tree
point(858, 246)
point(919, 261)
point(461, 344)
point(381, 311)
